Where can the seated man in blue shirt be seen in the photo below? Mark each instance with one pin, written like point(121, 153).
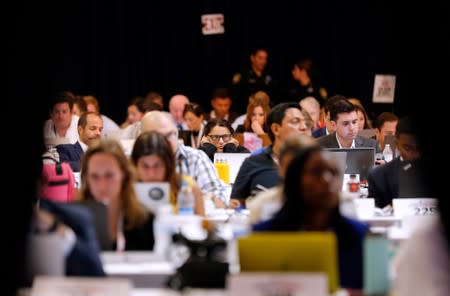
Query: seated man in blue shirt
point(260, 172)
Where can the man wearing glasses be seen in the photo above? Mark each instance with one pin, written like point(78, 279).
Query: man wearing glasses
point(190, 161)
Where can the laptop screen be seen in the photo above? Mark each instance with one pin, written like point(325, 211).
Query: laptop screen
point(358, 161)
point(153, 194)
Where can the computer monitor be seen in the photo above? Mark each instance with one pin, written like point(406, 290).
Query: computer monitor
point(290, 251)
point(359, 160)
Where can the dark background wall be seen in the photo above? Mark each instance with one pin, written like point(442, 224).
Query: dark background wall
point(119, 49)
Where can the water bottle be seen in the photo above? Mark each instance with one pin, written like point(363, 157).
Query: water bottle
point(387, 153)
point(185, 199)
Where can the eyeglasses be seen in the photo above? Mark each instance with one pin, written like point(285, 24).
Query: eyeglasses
point(216, 138)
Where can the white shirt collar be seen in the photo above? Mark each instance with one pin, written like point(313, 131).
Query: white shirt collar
point(339, 143)
point(83, 146)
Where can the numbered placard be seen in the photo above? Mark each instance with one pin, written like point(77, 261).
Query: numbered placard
point(414, 206)
point(213, 24)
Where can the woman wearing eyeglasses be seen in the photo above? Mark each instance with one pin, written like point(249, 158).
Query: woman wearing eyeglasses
point(218, 137)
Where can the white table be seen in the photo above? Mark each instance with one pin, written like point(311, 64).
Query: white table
point(145, 269)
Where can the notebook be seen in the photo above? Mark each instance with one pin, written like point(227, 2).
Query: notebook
point(358, 161)
point(153, 194)
point(235, 161)
point(290, 251)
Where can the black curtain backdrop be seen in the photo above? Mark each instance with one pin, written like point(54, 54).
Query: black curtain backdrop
point(120, 49)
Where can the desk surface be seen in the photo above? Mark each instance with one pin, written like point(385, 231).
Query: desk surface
point(145, 269)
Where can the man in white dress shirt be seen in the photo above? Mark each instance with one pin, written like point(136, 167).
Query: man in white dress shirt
point(62, 125)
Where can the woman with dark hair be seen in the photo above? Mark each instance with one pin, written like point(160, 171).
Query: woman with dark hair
point(194, 116)
point(154, 160)
point(219, 138)
point(306, 83)
point(311, 203)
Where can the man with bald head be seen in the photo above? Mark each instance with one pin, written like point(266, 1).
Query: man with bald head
point(192, 162)
point(176, 107)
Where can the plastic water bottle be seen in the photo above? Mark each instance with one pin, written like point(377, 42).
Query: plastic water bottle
point(387, 153)
point(185, 199)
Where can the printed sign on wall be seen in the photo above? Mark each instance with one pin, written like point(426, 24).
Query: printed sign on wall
point(383, 89)
point(213, 24)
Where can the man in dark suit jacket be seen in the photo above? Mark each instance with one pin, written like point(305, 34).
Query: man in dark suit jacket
point(90, 127)
point(401, 176)
point(329, 127)
point(344, 119)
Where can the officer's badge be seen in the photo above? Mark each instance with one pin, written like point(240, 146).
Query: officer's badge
point(323, 93)
point(236, 78)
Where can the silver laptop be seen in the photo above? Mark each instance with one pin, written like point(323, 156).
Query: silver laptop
point(235, 161)
point(359, 160)
point(153, 194)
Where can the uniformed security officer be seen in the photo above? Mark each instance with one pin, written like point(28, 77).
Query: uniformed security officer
point(306, 83)
point(247, 82)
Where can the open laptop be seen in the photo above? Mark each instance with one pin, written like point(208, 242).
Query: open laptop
point(153, 194)
point(290, 251)
point(99, 212)
point(358, 161)
point(235, 161)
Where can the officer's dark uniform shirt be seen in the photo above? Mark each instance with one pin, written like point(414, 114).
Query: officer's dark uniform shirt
point(298, 92)
point(246, 83)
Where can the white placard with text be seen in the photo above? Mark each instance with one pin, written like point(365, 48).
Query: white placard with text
point(213, 24)
point(383, 89)
point(414, 206)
